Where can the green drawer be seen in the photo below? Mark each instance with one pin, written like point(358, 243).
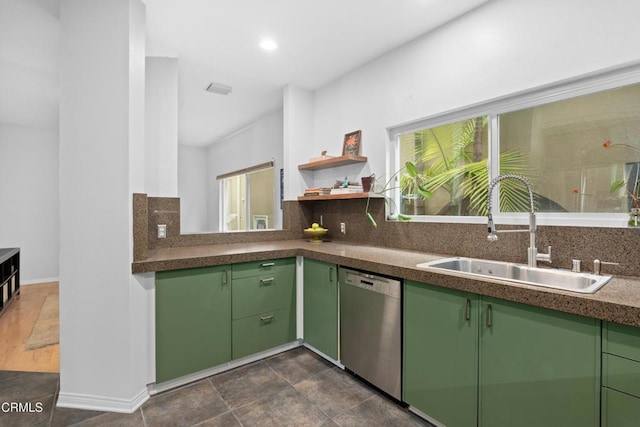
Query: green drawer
point(257, 294)
point(619, 409)
point(621, 374)
point(621, 340)
point(262, 332)
point(256, 268)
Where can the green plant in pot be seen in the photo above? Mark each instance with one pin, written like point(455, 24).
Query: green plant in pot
point(632, 190)
point(634, 194)
point(407, 173)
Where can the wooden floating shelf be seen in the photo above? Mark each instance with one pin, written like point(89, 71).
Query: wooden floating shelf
point(332, 162)
point(342, 196)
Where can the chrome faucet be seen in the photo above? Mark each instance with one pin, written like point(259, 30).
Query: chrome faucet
point(532, 252)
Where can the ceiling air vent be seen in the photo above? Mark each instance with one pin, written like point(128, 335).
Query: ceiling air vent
point(219, 88)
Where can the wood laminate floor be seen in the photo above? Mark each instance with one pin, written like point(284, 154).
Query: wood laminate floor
point(15, 327)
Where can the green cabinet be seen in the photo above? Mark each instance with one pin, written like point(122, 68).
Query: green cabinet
point(537, 367)
point(620, 375)
point(209, 316)
point(321, 306)
point(193, 320)
point(263, 305)
point(441, 353)
point(480, 361)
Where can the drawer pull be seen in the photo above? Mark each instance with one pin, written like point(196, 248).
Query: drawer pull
point(267, 264)
point(268, 318)
point(467, 306)
point(267, 280)
point(487, 316)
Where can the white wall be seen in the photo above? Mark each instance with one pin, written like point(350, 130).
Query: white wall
point(193, 175)
point(502, 47)
point(298, 135)
point(103, 307)
point(29, 40)
point(258, 143)
point(161, 127)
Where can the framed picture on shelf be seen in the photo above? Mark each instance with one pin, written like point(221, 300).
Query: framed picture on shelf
point(351, 145)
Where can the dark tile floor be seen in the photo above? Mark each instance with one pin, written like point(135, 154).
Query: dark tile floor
point(295, 388)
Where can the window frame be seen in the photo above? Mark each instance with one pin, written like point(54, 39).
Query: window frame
point(611, 78)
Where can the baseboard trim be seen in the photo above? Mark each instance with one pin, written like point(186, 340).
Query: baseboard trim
point(436, 423)
point(324, 356)
point(39, 281)
point(102, 403)
point(196, 376)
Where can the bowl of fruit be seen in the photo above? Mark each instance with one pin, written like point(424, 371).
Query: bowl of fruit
point(315, 232)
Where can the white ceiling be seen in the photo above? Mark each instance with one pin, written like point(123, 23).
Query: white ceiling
point(318, 41)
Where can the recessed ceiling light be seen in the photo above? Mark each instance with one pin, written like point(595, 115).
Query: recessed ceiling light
point(268, 44)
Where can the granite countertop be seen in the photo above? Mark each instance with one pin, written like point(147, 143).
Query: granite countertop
point(617, 301)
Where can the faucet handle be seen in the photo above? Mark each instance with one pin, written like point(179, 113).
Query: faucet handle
point(544, 257)
point(597, 265)
point(575, 265)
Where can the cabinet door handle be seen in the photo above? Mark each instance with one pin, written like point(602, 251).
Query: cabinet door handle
point(225, 276)
point(267, 280)
point(467, 309)
point(268, 318)
point(267, 264)
point(330, 274)
point(487, 316)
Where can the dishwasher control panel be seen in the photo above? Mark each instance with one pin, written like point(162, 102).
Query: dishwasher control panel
point(372, 282)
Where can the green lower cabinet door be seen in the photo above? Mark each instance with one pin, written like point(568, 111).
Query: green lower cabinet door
point(441, 353)
point(193, 320)
point(619, 409)
point(538, 367)
point(321, 306)
point(263, 331)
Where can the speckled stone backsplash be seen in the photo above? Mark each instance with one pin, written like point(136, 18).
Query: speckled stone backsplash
point(140, 226)
point(621, 245)
point(148, 212)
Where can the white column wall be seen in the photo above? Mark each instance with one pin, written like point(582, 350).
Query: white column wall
point(29, 42)
point(298, 116)
point(193, 179)
point(505, 46)
point(103, 334)
point(161, 129)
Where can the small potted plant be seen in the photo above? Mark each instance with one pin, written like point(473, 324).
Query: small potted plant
point(634, 212)
point(408, 172)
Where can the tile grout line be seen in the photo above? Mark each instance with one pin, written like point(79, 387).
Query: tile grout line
point(328, 368)
point(302, 394)
point(232, 410)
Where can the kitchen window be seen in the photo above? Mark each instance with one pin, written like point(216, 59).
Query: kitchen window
point(577, 142)
point(451, 160)
point(579, 151)
point(247, 198)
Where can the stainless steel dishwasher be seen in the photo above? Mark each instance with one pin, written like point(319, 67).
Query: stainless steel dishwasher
point(370, 328)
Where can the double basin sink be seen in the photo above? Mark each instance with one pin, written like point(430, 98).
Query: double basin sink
point(518, 273)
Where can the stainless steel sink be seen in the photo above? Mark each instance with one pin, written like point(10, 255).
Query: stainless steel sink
point(519, 273)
